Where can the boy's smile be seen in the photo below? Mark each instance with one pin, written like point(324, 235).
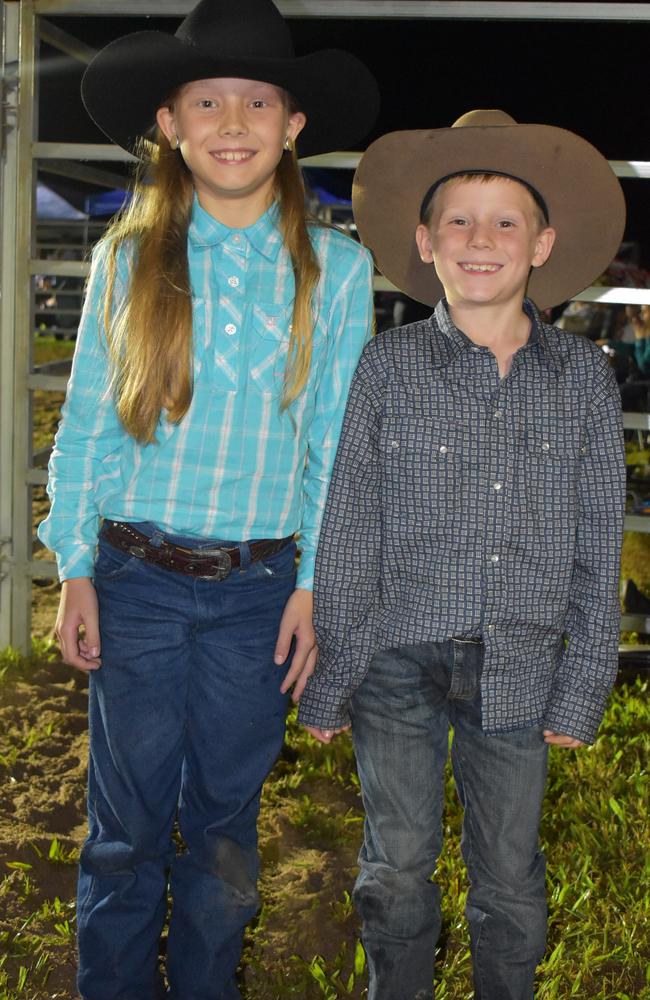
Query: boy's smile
point(483, 237)
point(480, 267)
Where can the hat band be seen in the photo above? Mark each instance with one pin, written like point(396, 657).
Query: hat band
point(426, 201)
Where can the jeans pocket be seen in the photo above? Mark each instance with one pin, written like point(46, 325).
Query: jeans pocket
point(112, 563)
point(278, 566)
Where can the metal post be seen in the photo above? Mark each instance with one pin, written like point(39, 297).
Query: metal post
point(8, 186)
point(25, 225)
point(15, 411)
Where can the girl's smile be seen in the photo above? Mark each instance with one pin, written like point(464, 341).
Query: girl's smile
point(233, 155)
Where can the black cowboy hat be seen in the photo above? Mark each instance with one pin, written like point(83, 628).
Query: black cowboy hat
point(130, 78)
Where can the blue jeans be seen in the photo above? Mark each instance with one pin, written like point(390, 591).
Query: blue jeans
point(186, 720)
point(400, 723)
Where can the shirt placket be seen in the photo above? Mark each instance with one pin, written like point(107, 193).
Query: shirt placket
point(499, 500)
point(228, 328)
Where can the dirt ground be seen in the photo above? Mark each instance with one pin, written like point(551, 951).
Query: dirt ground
point(43, 759)
point(44, 747)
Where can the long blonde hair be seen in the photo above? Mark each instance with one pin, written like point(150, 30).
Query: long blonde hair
point(150, 334)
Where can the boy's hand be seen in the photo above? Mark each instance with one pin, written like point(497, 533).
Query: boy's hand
point(297, 621)
point(560, 740)
point(325, 735)
point(78, 609)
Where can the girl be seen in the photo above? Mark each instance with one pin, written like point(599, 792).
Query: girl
point(218, 340)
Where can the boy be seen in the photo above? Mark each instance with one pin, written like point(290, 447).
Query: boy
point(468, 564)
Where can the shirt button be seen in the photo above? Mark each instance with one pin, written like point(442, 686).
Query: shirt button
point(394, 444)
point(236, 238)
point(230, 328)
point(233, 281)
point(494, 558)
point(545, 446)
point(443, 449)
point(497, 486)
point(498, 414)
point(489, 629)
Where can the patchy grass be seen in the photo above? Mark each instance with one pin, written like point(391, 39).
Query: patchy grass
point(304, 943)
point(594, 835)
point(13, 666)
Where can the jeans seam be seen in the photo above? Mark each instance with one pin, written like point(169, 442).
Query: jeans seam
point(478, 968)
point(468, 822)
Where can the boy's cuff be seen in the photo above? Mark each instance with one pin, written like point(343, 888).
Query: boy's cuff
point(578, 719)
point(323, 705)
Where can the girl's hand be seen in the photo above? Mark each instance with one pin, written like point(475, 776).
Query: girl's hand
point(297, 621)
point(561, 740)
point(78, 609)
point(325, 735)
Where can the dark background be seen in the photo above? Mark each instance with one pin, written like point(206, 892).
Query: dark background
point(590, 77)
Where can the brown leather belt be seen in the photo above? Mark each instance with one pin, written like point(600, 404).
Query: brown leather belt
point(214, 564)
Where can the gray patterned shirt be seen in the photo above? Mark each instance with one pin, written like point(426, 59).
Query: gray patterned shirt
point(465, 504)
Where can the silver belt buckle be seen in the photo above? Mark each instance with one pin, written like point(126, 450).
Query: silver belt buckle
point(224, 564)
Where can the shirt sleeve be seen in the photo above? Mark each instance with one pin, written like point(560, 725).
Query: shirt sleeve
point(589, 661)
point(349, 328)
point(89, 437)
point(347, 577)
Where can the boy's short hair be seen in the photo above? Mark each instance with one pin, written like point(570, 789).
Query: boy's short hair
point(540, 208)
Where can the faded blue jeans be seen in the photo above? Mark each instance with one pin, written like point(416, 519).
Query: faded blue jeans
point(186, 719)
point(401, 715)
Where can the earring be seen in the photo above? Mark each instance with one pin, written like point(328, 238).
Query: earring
point(288, 144)
point(176, 142)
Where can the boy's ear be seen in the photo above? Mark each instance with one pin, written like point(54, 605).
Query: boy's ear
point(543, 246)
point(425, 245)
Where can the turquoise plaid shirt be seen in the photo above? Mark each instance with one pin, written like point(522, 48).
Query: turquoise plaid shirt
point(235, 467)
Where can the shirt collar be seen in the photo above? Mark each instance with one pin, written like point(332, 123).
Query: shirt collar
point(264, 235)
point(457, 342)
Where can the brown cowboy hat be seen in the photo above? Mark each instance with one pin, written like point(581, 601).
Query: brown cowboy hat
point(129, 79)
point(582, 194)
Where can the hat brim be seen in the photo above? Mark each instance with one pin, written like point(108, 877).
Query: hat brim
point(128, 80)
point(584, 198)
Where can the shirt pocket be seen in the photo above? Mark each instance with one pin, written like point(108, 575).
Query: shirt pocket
point(550, 463)
point(269, 345)
point(423, 472)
